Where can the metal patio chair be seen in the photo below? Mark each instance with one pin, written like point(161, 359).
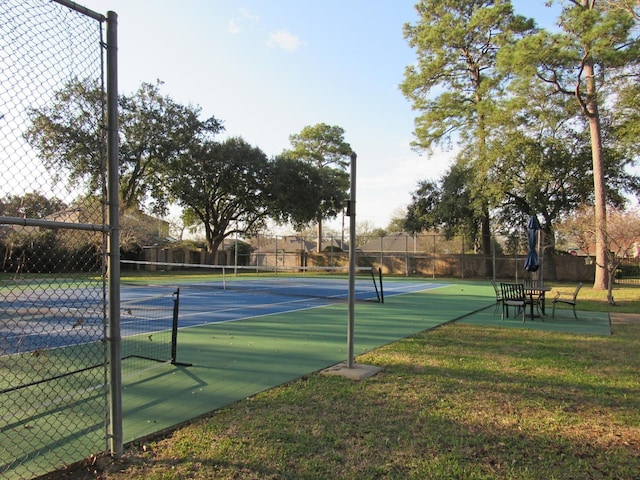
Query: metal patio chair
point(513, 296)
point(567, 301)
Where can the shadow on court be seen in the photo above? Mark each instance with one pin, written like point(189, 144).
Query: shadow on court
point(237, 359)
point(234, 358)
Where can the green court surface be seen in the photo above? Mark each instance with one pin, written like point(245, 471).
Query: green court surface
point(588, 323)
point(235, 360)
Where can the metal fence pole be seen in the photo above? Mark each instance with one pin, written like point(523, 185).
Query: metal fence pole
point(434, 257)
point(493, 257)
point(462, 258)
point(352, 261)
point(116, 435)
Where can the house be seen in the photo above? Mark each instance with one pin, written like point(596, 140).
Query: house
point(280, 251)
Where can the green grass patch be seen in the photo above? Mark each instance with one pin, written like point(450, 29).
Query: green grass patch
point(460, 401)
point(627, 297)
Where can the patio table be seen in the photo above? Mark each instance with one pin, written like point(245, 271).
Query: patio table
point(539, 293)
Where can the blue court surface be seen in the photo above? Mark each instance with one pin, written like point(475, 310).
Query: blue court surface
point(204, 303)
point(234, 342)
point(48, 318)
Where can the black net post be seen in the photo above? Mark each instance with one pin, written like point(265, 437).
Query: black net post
point(174, 331)
point(375, 284)
point(174, 327)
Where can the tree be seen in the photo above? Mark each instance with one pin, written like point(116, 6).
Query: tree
point(154, 130)
point(621, 237)
point(396, 224)
point(223, 185)
point(324, 146)
point(455, 82)
point(542, 164)
point(30, 205)
point(445, 205)
point(591, 58)
point(626, 122)
point(21, 247)
point(301, 192)
point(69, 136)
point(422, 211)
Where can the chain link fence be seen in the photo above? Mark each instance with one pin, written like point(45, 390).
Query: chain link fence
point(401, 254)
point(54, 403)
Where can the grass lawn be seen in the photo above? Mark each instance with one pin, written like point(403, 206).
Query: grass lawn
point(461, 401)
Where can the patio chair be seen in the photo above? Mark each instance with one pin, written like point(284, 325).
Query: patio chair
point(499, 302)
point(567, 301)
point(513, 296)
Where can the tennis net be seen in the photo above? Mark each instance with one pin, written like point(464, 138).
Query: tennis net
point(330, 283)
point(54, 344)
point(149, 327)
point(53, 362)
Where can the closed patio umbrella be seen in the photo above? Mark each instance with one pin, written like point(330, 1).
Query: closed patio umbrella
point(531, 263)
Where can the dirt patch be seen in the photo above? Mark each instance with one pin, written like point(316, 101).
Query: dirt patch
point(624, 318)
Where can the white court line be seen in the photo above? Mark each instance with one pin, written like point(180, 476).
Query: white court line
point(420, 287)
point(320, 303)
point(290, 302)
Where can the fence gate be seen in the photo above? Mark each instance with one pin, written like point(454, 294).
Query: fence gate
point(54, 238)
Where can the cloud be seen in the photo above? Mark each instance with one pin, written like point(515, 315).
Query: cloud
point(235, 25)
point(247, 15)
point(285, 40)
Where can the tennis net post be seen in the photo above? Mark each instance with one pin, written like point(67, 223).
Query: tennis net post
point(174, 331)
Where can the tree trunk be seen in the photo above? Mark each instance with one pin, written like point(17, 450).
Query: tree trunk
point(601, 280)
point(213, 242)
point(486, 244)
point(547, 252)
point(611, 276)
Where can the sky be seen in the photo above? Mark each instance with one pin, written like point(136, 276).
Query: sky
point(268, 68)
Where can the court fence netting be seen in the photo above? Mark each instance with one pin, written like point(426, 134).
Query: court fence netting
point(59, 311)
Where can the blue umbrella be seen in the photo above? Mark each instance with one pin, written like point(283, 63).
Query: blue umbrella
point(531, 263)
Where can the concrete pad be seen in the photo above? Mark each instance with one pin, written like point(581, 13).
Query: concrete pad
point(357, 372)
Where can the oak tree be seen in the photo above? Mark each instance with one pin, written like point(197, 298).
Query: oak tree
point(154, 129)
point(222, 185)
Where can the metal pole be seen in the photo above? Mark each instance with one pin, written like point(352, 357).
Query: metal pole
point(462, 258)
point(113, 189)
point(235, 259)
point(516, 266)
point(406, 256)
point(352, 260)
point(434, 256)
point(174, 326)
point(493, 256)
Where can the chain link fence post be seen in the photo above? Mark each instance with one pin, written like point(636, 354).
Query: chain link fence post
point(54, 232)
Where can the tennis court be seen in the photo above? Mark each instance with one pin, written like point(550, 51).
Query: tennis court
point(241, 341)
